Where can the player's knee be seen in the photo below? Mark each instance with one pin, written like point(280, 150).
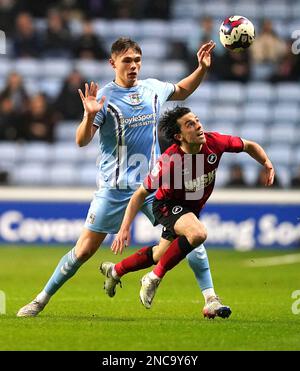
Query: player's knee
point(84, 251)
point(197, 237)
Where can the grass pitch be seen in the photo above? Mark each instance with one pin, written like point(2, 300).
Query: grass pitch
point(81, 317)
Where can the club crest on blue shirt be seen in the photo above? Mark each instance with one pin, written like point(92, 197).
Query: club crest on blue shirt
point(135, 98)
point(212, 158)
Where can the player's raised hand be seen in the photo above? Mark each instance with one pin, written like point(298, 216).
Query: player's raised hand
point(121, 240)
point(269, 174)
point(89, 101)
point(204, 54)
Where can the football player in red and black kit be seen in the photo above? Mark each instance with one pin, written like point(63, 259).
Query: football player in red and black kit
point(183, 179)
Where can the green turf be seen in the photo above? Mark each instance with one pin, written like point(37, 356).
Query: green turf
point(81, 317)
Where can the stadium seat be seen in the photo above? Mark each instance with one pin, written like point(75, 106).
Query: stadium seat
point(226, 113)
point(216, 9)
point(249, 9)
point(280, 154)
point(38, 152)
point(283, 175)
point(94, 70)
point(282, 133)
point(29, 174)
point(251, 172)
point(286, 111)
point(154, 28)
point(87, 176)
point(124, 27)
point(10, 152)
point(275, 10)
point(262, 71)
point(255, 131)
point(222, 175)
point(29, 67)
point(151, 68)
point(153, 49)
point(229, 92)
point(65, 131)
point(6, 66)
point(51, 86)
point(173, 71)
point(223, 127)
point(58, 68)
point(259, 91)
point(205, 93)
point(202, 110)
point(66, 152)
point(63, 174)
point(288, 92)
point(256, 112)
point(181, 30)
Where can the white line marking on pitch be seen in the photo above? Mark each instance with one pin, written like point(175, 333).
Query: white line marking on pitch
point(274, 260)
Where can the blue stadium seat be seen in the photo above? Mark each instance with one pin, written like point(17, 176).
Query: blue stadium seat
point(280, 154)
point(275, 10)
point(87, 176)
point(253, 130)
point(30, 174)
point(38, 152)
point(51, 86)
point(226, 113)
point(173, 71)
point(246, 8)
point(58, 68)
point(205, 93)
point(6, 66)
point(256, 112)
point(154, 28)
point(65, 131)
point(181, 29)
point(29, 67)
point(216, 9)
point(153, 49)
point(283, 174)
point(259, 91)
point(223, 127)
point(282, 133)
point(288, 92)
point(229, 92)
point(124, 27)
point(10, 152)
point(66, 152)
point(93, 70)
point(283, 112)
point(63, 174)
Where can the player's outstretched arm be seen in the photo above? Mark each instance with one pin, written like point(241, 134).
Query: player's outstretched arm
point(86, 130)
point(258, 153)
point(122, 239)
point(188, 85)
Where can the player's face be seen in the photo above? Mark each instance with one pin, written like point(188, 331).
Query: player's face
point(191, 129)
point(127, 67)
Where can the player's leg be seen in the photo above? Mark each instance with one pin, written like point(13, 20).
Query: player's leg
point(101, 218)
point(191, 233)
point(86, 246)
point(143, 258)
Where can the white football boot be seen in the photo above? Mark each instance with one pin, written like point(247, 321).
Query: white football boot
point(148, 289)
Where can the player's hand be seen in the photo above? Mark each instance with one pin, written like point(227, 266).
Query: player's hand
point(204, 54)
point(121, 240)
point(89, 101)
point(269, 173)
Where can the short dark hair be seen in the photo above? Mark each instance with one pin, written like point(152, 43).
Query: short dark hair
point(168, 122)
point(123, 44)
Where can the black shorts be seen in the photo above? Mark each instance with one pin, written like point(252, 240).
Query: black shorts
point(167, 213)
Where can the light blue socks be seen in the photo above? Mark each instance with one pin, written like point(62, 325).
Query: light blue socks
point(198, 261)
point(65, 269)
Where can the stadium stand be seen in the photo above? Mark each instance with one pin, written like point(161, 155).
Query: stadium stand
point(262, 109)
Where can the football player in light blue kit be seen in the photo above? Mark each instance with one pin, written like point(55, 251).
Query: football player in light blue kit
point(125, 113)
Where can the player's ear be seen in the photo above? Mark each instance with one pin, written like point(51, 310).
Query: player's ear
point(112, 63)
point(178, 137)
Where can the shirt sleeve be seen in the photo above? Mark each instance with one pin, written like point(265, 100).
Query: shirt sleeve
point(161, 175)
point(229, 143)
point(164, 90)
